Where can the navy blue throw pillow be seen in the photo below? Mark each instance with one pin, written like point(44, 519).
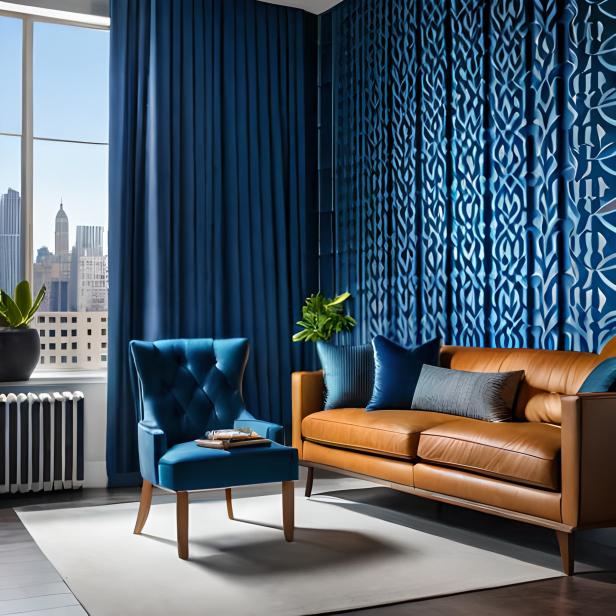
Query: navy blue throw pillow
point(602, 378)
point(349, 374)
point(397, 371)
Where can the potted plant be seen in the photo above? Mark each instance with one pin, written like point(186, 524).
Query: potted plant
point(20, 346)
point(323, 317)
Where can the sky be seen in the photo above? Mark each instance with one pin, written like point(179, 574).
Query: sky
point(71, 98)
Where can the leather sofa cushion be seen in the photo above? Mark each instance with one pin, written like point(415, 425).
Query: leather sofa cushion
point(548, 374)
point(526, 453)
point(390, 433)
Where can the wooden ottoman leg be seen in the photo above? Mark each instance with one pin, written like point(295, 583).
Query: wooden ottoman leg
point(288, 509)
point(309, 480)
point(144, 506)
point(228, 496)
point(182, 524)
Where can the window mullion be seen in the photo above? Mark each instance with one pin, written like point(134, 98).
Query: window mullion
point(27, 147)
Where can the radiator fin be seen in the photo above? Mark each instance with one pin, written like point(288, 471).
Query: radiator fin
point(41, 441)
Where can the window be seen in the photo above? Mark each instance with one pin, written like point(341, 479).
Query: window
point(52, 346)
point(74, 345)
point(53, 220)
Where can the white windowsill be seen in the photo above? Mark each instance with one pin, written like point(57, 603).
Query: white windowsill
point(60, 377)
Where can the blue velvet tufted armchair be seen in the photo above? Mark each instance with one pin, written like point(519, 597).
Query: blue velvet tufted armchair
point(186, 387)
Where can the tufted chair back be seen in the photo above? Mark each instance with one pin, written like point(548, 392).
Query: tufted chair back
point(188, 386)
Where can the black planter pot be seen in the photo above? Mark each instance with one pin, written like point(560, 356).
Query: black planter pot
point(20, 350)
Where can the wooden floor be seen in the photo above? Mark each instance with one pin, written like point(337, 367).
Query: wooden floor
point(30, 585)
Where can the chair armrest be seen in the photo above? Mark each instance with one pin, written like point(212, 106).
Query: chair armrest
point(152, 443)
point(588, 454)
point(307, 390)
point(267, 429)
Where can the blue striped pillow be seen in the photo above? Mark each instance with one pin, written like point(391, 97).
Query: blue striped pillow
point(349, 374)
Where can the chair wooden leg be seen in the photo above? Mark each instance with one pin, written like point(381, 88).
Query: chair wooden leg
point(182, 524)
point(309, 480)
point(228, 496)
point(288, 509)
point(144, 506)
point(566, 546)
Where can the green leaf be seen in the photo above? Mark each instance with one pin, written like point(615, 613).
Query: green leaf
point(12, 313)
point(40, 296)
point(340, 299)
point(23, 297)
point(322, 318)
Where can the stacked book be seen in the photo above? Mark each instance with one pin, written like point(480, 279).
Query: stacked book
point(230, 439)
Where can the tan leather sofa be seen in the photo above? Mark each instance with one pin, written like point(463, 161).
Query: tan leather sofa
point(553, 466)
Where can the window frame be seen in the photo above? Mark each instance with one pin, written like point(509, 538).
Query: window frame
point(27, 138)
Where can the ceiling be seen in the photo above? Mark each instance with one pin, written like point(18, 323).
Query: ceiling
point(101, 7)
point(313, 6)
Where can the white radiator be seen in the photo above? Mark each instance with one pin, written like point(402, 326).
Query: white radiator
point(41, 442)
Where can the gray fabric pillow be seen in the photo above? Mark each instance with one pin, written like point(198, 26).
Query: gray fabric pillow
point(479, 395)
point(349, 374)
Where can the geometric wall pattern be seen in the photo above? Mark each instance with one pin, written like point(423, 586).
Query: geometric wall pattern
point(468, 169)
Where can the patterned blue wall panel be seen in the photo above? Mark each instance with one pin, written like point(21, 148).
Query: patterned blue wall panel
point(506, 205)
point(468, 189)
point(474, 169)
point(434, 189)
point(592, 215)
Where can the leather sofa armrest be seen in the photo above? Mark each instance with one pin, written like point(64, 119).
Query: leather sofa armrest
point(152, 443)
point(588, 453)
point(307, 390)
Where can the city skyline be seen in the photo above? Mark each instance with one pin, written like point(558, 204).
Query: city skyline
point(75, 273)
point(70, 102)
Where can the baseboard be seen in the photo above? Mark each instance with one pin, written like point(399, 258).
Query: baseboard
point(95, 474)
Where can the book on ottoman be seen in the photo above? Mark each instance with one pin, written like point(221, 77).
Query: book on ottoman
point(230, 439)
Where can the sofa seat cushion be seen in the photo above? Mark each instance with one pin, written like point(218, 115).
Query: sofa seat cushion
point(523, 452)
point(390, 433)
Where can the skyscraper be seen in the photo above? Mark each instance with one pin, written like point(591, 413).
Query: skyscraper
point(89, 241)
point(89, 270)
point(54, 270)
point(61, 232)
point(10, 248)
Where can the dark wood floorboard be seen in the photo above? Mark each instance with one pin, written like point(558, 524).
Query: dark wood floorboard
point(30, 585)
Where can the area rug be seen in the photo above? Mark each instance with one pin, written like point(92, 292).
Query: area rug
point(341, 559)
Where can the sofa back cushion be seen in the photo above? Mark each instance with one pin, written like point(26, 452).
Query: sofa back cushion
point(348, 373)
point(488, 396)
point(548, 374)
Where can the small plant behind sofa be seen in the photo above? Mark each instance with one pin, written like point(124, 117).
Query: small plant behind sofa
point(323, 317)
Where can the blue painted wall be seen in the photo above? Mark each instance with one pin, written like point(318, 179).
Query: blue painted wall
point(467, 156)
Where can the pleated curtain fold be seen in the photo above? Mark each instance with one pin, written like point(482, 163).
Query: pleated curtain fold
point(212, 191)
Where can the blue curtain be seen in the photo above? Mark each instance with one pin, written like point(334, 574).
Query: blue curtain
point(211, 177)
point(472, 189)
